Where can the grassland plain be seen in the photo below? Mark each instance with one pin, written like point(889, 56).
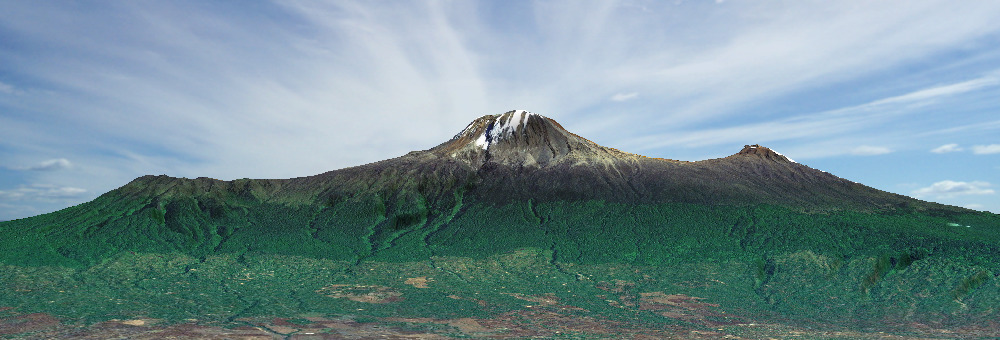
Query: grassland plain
point(671, 267)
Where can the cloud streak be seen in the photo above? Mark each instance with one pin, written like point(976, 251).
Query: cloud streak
point(6, 88)
point(49, 165)
point(868, 150)
point(41, 192)
point(949, 189)
point(986, 149)
point(947, 148)
point(621, 97)
point(840, 121)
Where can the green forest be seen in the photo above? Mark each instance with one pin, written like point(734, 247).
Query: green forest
point(218, 258)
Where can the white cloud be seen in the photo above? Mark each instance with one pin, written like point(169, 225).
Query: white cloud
point(867, 150)
point(836, 122)
point(49, 165)
point(965, 129)
point(943, 91)
point(620, 97)
point(6, 88)
point(986, 149)
point(947, 148)
point(41, 192)
point(949, 188)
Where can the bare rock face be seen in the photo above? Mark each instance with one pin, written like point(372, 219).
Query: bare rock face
point(764, 153)
point(523, 139)
point(519, 155)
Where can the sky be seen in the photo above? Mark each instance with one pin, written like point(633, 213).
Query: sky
point(898, 95)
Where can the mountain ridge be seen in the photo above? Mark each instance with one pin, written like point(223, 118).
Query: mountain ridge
point(522, 155)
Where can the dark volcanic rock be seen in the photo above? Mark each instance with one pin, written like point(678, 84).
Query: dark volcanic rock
point(523, 139)
point(519, 155)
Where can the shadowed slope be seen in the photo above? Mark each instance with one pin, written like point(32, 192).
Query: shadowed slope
point(520, 155)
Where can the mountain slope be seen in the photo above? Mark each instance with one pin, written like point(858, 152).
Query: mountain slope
point(519, 155)
point(785, 236)
point(514, 159)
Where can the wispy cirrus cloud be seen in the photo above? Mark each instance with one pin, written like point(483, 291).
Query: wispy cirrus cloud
point(949, 189)
point(934, 93)
point(621, 97)
point(41, 192)
point(6, 88)
point(976, 149)
point(835, 122)
point(868, 150)
point(48, 165)
point(947, 148)
point(309, 84)
point(986, 149)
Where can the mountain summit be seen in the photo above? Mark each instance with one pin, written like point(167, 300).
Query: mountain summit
point(523, 155)
point(764, 152)
point(522, 138)
point(519, 155)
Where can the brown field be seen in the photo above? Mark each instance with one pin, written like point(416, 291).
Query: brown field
point(543, 317)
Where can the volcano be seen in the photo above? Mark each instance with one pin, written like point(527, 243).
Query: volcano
point(520, 155)
point(515, 208)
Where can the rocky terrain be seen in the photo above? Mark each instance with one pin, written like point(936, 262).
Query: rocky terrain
point(515, 227)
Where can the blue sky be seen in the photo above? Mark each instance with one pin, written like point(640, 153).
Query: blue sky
point(898, 95)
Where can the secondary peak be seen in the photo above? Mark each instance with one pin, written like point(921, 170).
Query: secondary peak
point(764, 152)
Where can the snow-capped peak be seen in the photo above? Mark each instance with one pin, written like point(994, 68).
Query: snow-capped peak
point(504, 125)
point(765, 152)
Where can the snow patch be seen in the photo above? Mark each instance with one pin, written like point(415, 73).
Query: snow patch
point(522, 117)
point(786, 157)
point(464, 131)
point(482, 142)
point(503, 126)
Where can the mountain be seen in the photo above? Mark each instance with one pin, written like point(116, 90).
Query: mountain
point(519, 155)
point(508, 210)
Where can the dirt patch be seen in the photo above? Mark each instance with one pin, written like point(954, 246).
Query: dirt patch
point(464, 325)
point(615, 286)
point(688, 308)
point(419, 282)
point(347, 328)
point(481, 303)
point(362, 293)
point(27, 323)
point(548, 323)
point(541, 300)
point(282, 329)
point(467, 325)
point(525, 323)
point(680, 300)
point(134, 322)
point(48, 328)
point(138, 322)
